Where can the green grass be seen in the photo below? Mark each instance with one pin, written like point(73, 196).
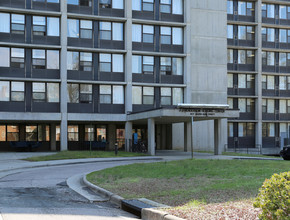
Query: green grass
point(247, 155)
point(179, 182)
point(83, 154)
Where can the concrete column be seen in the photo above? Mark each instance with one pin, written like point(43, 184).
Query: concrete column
point(258, 83)
point(187, 136)
point(63, 76)
point(187, 50)
point(151, 136)
point(53, 137)
point(128, 56)
point(218, 137)
point(128, 135)
point(112, 136)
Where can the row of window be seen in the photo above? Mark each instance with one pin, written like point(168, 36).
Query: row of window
point(41, 59)
point(43, 26)
point(241, 56)
point(83, 61)
point(168, 35)
point(268, 129)
point(275, 35)
point(32, 133)
point(241, 32)
point(275, 11)
point(41, 92)
point(242, 81)
point(268, 82)
point(275, 58)
point(246, 105)
point(243, 8)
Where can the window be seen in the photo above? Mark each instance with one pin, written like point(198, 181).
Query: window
point(246, 81)
point(268, 58)
point(17, 24)
point(143, 5)
point(246, 105)
point(165, 6)
point(143, 64)
point(171, 66)
point(11, 91)
point(45, 92)
point(86, 29)
point(246, 33)
point(246, 8)
point(111, 31)
point(284, 106)
point(80, 93)
point(268, 10)
point(116, 4)
point(5, 22)
point(268, 82)
point(284, 82)
point(17, 58)
point(268, 129)
point(80, 2)
point(230, 80)
point(73, 133)
point(102, 133)
point(230, 130)
point(230, 56)
point(111, 94)
point(230, 7)
point(106, 64)
point(81, 61)
point(230, 102)
point(89, 133)
point(4, 91)
point(246, 129)
point(12, 133)
point(17, 91)
point(31, 133)
point(282, 12)
point(148, 34)
point(230, 31)
point(45, 26)
point(143, 95)
point(246, 57)
point(42, 59)
point(282, 59)
point(268, 34)
point(2, 133)
point(171, 35)
point(48, 1)
point(166, 96)
point(268, 105)
point(79, 28)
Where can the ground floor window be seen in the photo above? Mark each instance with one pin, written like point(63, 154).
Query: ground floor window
point(12, 133)
point(73, 133)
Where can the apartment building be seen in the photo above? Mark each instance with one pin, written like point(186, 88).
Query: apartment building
point(258, 68)
point(79, 72)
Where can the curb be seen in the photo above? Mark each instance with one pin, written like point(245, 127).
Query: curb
point(49, 164)
point(147, 214)
point(112, 197)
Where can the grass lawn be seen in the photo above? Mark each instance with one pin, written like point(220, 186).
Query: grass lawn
point(248, 155)
point(83, 154)
point(199, 184)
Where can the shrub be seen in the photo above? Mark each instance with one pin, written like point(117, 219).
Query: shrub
point(274, 197)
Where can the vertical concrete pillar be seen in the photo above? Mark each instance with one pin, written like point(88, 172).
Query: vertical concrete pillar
point(128, 135)
point(218, 136)
point(187, 136)
point(151, 136)
point(63, 76)
point(128, 56)
point(112, 136)
point(187, 50)
point(53, 137)
point(259, 75)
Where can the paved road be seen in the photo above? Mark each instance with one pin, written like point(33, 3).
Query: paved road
point(42, 194)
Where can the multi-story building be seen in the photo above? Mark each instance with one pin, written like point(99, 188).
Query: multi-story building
point(258, 69)
point(73, 72)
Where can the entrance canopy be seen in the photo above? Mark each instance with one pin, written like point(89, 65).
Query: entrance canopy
point(184, 113)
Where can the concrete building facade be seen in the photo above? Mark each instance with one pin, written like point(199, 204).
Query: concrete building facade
point(76, 74)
